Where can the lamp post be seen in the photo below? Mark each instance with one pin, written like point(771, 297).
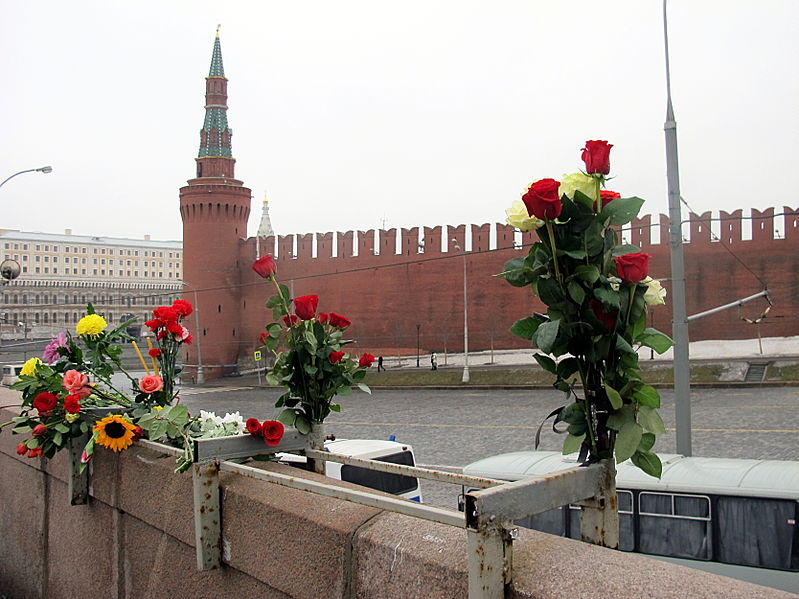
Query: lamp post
point(465, 378)
point(198, 333)
point(418, 326)
point(41, 169)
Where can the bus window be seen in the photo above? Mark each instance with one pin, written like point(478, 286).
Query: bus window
point(757, 532)
point(674, 525)
point(396, 484)
point(550, 522)
point(626, 530)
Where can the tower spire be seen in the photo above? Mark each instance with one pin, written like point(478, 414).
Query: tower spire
point(265, 228)
point(215, 158)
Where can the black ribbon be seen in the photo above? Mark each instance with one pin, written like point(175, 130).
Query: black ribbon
point(554, 412)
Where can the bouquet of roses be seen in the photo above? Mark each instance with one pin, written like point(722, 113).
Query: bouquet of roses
point(315, 366)
point(596, 292)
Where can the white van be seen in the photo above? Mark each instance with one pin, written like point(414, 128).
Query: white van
point(733, 517)
point(370, 449)
point(10, 374)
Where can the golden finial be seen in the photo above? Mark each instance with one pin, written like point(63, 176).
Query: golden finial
point(217, 29)
point(266, 199)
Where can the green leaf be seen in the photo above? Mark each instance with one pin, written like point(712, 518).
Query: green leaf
point(310, 339)
point(546, 334)
point(302, 424)
point(334, 407)
point(549, 291)
point(647, 442)
point(651, 420)
point(364, 388)
point(546, 363)
point(287, 417)
point(568, 367)
point(274, 330)
point(638, 327)
point(21, 430)
point(647, 396)
point(613, 396)
point(576, 292)
point(345, 390)
point(648, 462)
point(573, 414)
point(587, 272)
point(622, 210)
point(656, 340)
point(272, 379)
point(572, 444)
point(61, 427)
point(618, 420)
point(622, 345)
point(609, 298)
point(576, 254)
point(518, 273)
point(525, 328)
point(58, 439)
point(627, 440)
point(311, 369)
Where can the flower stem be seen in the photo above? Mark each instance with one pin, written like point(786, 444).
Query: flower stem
point(554, 250)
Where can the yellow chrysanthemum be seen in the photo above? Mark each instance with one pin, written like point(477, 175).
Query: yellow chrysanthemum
point(90, 325)
point(29, 367)
point(114, 432)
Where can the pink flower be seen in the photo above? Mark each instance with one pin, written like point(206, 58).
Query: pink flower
point(77, 383)
point(85, 458)
point(151, 383)
point(50, 354)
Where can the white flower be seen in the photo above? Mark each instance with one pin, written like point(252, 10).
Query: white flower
point(577, 182)
point(655, 294)
point(517, 216)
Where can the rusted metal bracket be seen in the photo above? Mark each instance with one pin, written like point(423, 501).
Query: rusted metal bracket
point(78, 482)
point(207, 516)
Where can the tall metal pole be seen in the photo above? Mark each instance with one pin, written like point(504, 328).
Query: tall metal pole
point(41, 169)
point(465, 378)
point(200, 373)
point(682, 373)
point(418, 326)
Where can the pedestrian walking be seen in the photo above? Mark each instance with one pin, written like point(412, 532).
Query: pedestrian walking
point(433, 361)
point(380, 364)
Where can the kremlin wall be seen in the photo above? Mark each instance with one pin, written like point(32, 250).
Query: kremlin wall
point(405, 289)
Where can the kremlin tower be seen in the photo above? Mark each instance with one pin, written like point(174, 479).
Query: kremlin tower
point(214, 207)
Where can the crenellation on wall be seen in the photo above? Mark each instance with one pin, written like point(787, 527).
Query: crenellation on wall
point(699, 228)
point(285, 247)
point(388, 242)
point(481, 238)
point(506, 236)
point(344, 244)
point(432, 240)
point(324, 245)
point(730, 225)
point(410, 241)
point(791, 229)
point(456, 235)
point(305, 245)
point(366, 243)
point(762, 225)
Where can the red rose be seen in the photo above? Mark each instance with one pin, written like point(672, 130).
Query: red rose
point(542, 199)
point(39, 430)
point(338, 321)
point(335, 357)
point(606, 318)
point(596, 155)
point(72, 404)
point(45, 402)
point(138, 433)
point(182, 307)
point(22, 449)
point(265, 267)
point(290, 319)
point(366, 360)
point(35, 453)
point(305, 306)
point(272, 430)
point(632, 268)
point(322, 317)
point(262, 338)
point(154, 352)
point(607, 197)
point(166, 313)
point(253, 426)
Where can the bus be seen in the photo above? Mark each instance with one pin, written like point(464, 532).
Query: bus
point(734, 517)
point(370, 449)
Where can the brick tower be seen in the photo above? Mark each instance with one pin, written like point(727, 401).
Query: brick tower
point(214, 207)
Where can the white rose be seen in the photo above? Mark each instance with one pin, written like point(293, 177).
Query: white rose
point(655, 294)
point(517, 216)
point(577, 182)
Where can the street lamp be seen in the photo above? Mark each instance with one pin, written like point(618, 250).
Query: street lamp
point(465, 378)
point(41, 169)
point(418, 326)
point(200, 373)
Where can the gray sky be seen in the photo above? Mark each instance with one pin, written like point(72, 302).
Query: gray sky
point(355, 114)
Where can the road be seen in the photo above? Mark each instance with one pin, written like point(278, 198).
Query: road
point(451, 428)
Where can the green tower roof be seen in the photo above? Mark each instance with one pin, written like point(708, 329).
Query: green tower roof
point(217, 70)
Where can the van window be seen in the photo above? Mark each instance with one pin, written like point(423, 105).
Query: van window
point(757, 532)
point(395, 484)
point(675, 525)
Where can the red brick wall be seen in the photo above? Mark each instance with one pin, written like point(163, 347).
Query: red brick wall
point(388, 294)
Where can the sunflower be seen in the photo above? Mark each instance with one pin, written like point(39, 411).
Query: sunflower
point(114, 432)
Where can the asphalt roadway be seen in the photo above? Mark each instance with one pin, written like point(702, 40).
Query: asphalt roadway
point(451, 428)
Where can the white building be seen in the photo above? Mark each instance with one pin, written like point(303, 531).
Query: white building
point(60, 274)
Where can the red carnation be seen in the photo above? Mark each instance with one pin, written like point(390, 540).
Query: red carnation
point(72, 403)
point(305, 306)
point(596, 155)
point(272, 430)
point(160, 334)
point(632, 268)
point(265, 267)
point(166, 313)
point(154, 352)
point(22, 449)
point(188, 339)
point(253, 426)
point(45, 402)
point(182, 307)
point(608, 319)
point(35, 453)
point(154, 324)
point(542, 199)
point(138, 433)
point(366, 360)
point(290, 319)
point(39, 430)
point(335, 357)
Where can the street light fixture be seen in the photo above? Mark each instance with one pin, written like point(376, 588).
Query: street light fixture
point(41, 169)
point(465, 378)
